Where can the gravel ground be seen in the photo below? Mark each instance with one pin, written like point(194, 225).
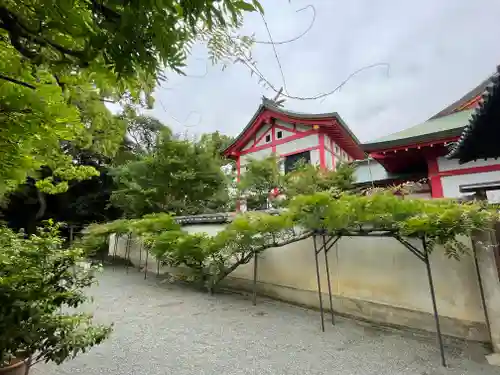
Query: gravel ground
point(167, 329)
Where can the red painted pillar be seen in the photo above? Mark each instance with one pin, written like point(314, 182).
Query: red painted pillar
point(332, 150)
point(273, 138)
point(322, 152)
point(434, 177)
point(238, 174)
point(238, 169)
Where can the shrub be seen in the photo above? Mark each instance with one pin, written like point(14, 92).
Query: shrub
point(40, 283)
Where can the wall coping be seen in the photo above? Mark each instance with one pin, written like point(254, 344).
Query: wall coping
point(215, 218)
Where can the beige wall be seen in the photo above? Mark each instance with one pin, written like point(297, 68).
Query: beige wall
point(373, 278)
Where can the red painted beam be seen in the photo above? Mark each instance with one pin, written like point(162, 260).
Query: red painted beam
point(257, 140)
point(470, 170)
point(329, 125)
point(312, 148)
point(294, 130)
point(380, 153)
point(279, 142)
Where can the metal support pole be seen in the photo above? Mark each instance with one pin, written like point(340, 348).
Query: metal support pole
point(157, 268)
point(319, 284)
point(127, 251)
point(115, 250)
point(146, 266)
point(105, 254)
point(71, 235)
point(28, 364)
point(481, 291)
point(328, 279)
point(140, 255)
point(434, 305)
point(254, 296)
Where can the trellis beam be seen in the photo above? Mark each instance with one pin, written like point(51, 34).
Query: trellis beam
point(422, 255)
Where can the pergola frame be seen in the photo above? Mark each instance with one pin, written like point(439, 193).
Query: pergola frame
point(327, 244)
point(421, 254)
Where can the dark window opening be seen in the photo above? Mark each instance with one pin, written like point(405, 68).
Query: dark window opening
point(293, 161)
point(279, 135)
point(268, 138)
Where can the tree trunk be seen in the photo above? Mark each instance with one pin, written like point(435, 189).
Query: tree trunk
point(250, 255)
point(42, 205)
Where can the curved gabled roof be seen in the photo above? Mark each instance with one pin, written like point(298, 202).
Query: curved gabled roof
point(438, 128)
point(464, 101)
point(273, 108)
point(481, 135)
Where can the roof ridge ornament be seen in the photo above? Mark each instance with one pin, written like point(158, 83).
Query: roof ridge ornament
point(274, 102)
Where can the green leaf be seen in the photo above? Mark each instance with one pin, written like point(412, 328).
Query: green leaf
point(258, 6)
point(244, 6)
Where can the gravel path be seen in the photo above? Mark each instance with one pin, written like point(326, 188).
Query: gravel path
point(166, 329)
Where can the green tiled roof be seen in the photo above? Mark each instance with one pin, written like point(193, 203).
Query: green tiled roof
point(442, 127)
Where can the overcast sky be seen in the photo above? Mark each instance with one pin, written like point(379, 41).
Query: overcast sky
point(437, 51)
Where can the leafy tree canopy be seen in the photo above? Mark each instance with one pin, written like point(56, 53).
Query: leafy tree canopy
point(61, 60)
point(258, 179)
point(308, 179)
point(214, 143)
point(130, 38)
point(179, 177)
point(140, 138)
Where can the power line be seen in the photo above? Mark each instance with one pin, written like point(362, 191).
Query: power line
point(298, 36)
point(182, 123)
point(275, 53)
point(252, 65)
point(248, 62)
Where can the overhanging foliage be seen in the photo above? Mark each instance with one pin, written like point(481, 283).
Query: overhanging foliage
point(439, 221)
point(214, 257)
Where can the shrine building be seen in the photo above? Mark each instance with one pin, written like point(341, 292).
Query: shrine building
point(414, 154)
point(322, 139)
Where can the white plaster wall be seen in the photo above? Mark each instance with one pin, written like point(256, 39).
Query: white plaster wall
point(451, 183)
point(285, 133)
point(297, 144)
point(210, 229)
point(372, 171)
point(367, 271)
point(263, 141)
point(329, 161)
point(378, 270)
point(303, 128)
point(421, 195)
point(315, 157)
point(248, 145)
point(332, 143)
point(262, 130)
point(451, 164)
point(255, 155)
point(284, 124)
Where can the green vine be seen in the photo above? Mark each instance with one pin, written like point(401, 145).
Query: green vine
point(212, 258)
point(439, 221)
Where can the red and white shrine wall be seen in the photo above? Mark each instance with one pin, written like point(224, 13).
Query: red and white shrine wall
point(452, 175)
point(286, 140)
point(444, 176)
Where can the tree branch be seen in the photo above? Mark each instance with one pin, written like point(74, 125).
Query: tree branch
point(245, 259)
point(43, 205)
point(17, 82)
